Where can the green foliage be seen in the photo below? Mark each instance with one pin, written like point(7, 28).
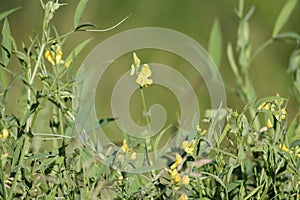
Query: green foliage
point(215, 43)
point(257, 155)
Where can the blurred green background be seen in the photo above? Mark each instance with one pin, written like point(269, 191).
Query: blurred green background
point(191, 17)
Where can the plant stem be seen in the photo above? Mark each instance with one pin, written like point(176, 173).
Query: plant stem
point(145, 109)
point(148, 144)
point(262, 47)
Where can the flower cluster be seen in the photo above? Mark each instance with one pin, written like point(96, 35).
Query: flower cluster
point(274, 107)
point(54, 56)
point(143, 72)
point(189, 147)
point(176, 177)
point(4, 133)
point(294, 150)
point(125, 149)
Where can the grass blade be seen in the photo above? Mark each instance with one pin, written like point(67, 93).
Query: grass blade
point(284, 16)
point(8, 12)
point(215, 43)
point(79, 11)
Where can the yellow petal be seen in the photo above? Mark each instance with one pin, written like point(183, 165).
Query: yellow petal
point(198, 128)
point(183, 197)
point(58, 57)
point(142, 80)
point(188, 147)
point(124, 147)
point(177, 162)
point(49, 57)
point(283, 147)
point(136, 60)
point(5, 133)
point(68, 63)
point(146, 70)
point(120, 179)
point(177, 178)
point(132, 71)
point(269, 124)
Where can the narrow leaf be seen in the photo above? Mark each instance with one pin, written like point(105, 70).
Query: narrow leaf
point(103, 122)
point(81, 26)
point(79, 11)
point(8, 12)
point(6, 43)
point(291, 35)
point(284, 16)
point(253, 192)
point(215, 43)
point(232, 61)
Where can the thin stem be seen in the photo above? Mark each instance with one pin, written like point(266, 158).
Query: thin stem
point(262, 47)
point(145, 109)
point(148, 144)
point(37, 64)
point(2, 180)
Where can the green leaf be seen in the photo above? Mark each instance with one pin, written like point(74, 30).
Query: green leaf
point(268, 99)
point(17, 153)
point(103, 122)
point(232, 63)
point(79, 11)
point(8, 12)
point(291, 130)
point(223, 135)
point(215, 43)
point(233, 186)
point(253, 192)
point(294, 63)
point(6, 43)
point(159, 136)
point(81, 26)
point(216, 178)
point(291, 35)
point(284, 16)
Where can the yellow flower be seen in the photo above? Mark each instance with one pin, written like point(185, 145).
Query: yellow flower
point(49, 57)
point(132, 71)
point(119, 156)
point(142, 73)
point(125, 147)
point(136, 60)
point(188, 147)
point(185, 180)
point(143, 76)
point(177, 162)
point(175, 175)
point(146, 70)
point(183, 197)
point(68, 63)
point(120, 179)
point(56, 53)
point(264, 106)
point(283, 114)
point(283, 147)
point(143, 80)
point(198, 128)
point(269, 124)
point(4, 134)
